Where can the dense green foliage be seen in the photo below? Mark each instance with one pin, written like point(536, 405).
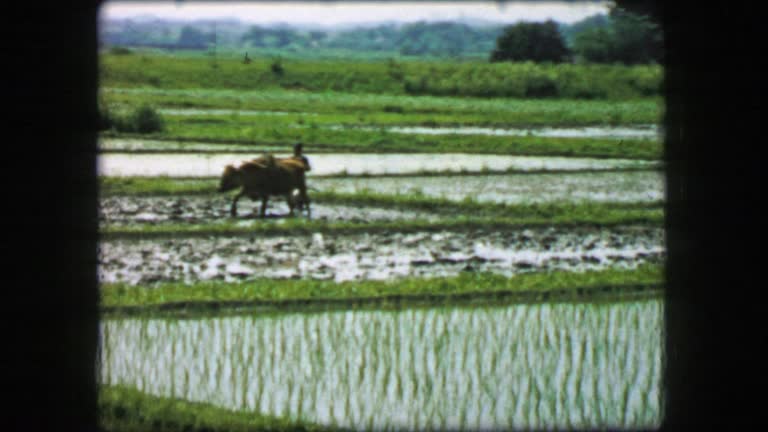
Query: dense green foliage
point(422, 39)
point(192, 38)
point(530, 41)
point(627, 38)
point(593, 22)
point(142, 120)
point(476, 79)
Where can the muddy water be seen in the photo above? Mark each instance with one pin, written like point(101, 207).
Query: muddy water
point(636, 186)
point(547, 366)
point(212, 165)
point(378, 256)
point(131, 210)
point(651, 132)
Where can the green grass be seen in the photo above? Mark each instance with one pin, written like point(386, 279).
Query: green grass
point(124, 409)
point(398, 109)
point(469, 78)
point(315, 117)
point(138, 186)
point(117, 298)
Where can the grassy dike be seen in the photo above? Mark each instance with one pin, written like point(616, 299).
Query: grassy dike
point(333, 107)
point(120, 299)
point(279, 133)
point(123, 409)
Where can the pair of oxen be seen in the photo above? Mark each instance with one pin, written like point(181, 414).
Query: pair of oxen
point(268, 176)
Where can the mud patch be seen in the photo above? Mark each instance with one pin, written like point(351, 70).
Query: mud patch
point(378, 256)
point(130, 210)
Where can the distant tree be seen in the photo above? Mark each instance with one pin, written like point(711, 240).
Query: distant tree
point(538, 42)
point(193, 38)
point(637, 39)
point(437, 39)
point(279, 37)
point(594, 45)
point(569, 31)
point(255, 35)
point(629, 38)
point(277, 66)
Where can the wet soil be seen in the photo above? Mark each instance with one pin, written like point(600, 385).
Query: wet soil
point(378, 256)
point(156, 210)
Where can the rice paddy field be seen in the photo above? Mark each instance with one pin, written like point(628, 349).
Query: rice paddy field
point(470, 263)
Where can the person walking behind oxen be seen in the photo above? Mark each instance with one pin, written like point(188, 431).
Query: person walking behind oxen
point(298, 149)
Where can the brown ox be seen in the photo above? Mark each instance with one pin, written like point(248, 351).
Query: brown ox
point(268, 176)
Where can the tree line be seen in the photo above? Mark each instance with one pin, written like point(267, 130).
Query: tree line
point(619, 37)
point(622, 37)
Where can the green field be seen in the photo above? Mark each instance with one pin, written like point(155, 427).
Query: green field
point(440, 78)
point(350, 111)
point(347, 106)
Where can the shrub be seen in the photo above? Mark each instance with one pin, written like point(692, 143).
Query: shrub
point(277, 67)
point(146, 120)
point(118, 50)
point(106, 118)
point(540, 86)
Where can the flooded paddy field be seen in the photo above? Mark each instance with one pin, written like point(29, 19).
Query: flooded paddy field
point(541, 366)
point(154, 210)
point(378, 256)
point(652, 132)
point(632, 186)
point(212, 165)
point(143, 145)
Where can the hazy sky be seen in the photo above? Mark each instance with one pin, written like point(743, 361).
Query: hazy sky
point(350, 12)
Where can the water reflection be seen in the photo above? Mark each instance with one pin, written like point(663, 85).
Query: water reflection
point(212, 165)
point(522, 366)
point(651, 132)
point(636, 186)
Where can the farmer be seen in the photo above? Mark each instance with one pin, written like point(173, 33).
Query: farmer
point(297, 154)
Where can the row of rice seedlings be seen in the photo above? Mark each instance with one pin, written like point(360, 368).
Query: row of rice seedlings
point(540, 393)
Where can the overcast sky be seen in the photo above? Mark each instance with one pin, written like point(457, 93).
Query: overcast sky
point(335, 13)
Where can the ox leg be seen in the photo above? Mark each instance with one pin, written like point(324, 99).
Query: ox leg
point(291, 204)
point(233, 208)
point(264, 206)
